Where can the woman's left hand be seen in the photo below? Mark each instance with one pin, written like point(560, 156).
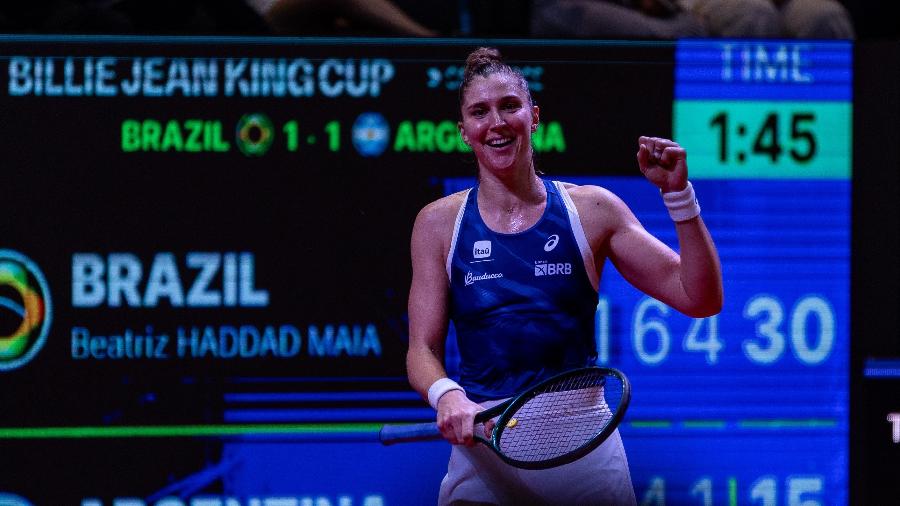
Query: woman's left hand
point(663, 162)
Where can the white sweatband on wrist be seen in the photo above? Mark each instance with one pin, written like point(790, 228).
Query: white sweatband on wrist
point(682, 205)
point(439, 388)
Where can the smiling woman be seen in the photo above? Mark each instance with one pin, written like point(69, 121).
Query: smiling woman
point(515, 263)
point(498, 113)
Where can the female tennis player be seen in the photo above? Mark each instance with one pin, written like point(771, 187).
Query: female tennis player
point(515, 262)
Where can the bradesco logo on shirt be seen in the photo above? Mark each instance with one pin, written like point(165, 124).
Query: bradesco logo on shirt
point(471, 278)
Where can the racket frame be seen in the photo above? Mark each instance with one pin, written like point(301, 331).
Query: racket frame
point(506, 410)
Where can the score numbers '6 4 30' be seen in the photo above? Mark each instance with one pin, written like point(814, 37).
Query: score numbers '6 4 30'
point(803, 329)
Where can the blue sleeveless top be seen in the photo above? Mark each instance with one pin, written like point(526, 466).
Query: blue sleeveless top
point(523, 304)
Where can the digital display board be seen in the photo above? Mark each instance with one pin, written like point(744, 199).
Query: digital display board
point(203, 286)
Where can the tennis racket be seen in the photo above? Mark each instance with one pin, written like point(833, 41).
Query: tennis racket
point(557, 421)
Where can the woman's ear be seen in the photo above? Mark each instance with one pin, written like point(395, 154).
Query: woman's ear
point(462, 133)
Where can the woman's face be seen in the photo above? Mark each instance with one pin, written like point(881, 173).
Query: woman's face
point(497, 122)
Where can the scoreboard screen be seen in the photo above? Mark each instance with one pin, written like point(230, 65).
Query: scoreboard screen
point(205, 262)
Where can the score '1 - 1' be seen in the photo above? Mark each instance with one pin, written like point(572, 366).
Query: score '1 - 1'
point(332, 132)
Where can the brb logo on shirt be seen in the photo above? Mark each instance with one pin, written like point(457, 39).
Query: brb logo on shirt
point(481, 249)
point(544, 268)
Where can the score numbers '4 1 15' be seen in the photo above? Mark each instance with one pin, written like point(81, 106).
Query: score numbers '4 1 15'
point(768, 490)
point(806, 327)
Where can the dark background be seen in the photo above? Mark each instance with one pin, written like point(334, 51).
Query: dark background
point(876, 165)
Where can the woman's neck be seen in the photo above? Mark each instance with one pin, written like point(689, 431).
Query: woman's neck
point(511, 204)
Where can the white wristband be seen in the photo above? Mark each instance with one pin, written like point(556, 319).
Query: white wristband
point(682, 205)
point(439, 388)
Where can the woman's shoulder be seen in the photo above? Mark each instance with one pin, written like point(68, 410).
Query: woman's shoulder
point(442, 211)
point(600, 210)
point(590, 196)
point(434, 226)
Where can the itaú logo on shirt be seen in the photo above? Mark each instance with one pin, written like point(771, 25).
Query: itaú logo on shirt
point(545, 268)
point(471, 278)
point(481, 249)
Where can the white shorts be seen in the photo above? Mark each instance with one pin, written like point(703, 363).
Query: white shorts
point(477, 474)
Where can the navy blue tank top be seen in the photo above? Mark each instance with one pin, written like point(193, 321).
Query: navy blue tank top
point(523, 304)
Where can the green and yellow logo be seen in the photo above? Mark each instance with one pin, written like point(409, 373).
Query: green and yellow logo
point(25, 308)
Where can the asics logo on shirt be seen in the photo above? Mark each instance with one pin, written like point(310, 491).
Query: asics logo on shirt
point(551, 242)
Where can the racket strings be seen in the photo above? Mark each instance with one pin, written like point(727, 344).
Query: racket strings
point(562, 417)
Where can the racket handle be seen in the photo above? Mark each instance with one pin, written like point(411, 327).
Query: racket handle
point(408, 433)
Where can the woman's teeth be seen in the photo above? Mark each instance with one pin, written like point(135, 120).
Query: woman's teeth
point(499, 143)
